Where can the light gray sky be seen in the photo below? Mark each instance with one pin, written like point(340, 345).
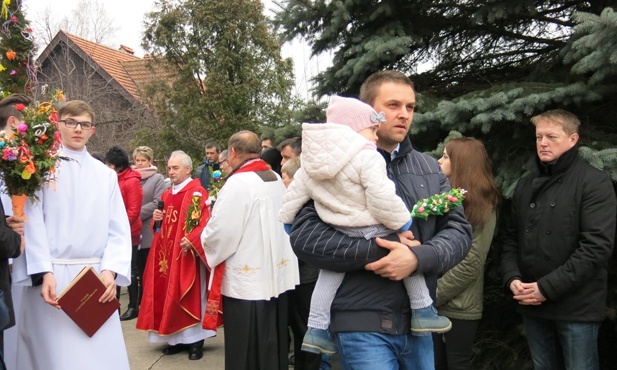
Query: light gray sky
point(128, 16)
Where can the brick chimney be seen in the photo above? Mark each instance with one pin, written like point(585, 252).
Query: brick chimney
point(126, 49)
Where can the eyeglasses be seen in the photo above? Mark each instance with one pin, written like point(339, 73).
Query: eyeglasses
point(223, 161)
point(71, 123)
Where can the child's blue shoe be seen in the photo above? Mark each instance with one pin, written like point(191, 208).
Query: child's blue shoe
point(425, 320)
point(318, 341)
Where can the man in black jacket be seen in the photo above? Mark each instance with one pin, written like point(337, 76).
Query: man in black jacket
point(11, 245)
point(557, 247)
point(211, 164)
point(371, 314)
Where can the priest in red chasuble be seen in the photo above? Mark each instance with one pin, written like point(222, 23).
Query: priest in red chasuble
point(174, 291)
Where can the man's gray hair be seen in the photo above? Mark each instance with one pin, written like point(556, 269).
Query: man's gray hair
point(186, 160)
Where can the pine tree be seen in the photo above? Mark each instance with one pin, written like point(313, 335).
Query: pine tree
point(470, 44)
point(17, 70)
point(495, 64)
point(229, 74)
point(311, 111)
point(500, 115)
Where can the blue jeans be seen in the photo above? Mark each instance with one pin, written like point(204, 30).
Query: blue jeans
point(326, 362)
point(566, 345)
point(369, 351)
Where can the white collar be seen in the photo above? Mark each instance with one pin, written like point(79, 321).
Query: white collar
point(72, 153)
point(175, 189)
point(395, 151)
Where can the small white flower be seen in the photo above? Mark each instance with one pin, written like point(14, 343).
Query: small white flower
point(40, 128)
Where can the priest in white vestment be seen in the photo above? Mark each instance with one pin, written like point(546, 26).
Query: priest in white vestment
point(80, 221)
point(260, 266)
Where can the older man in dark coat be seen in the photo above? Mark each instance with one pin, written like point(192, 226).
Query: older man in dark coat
point(557, 247)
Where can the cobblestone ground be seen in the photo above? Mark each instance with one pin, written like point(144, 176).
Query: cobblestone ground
point(144, 355)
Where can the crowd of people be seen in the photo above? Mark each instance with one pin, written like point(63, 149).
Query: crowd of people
point(312, 236)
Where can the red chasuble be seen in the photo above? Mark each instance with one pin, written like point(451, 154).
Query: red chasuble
point(171, 298)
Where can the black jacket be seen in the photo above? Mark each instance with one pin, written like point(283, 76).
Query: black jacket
point(203, 173)
point(366, 301)
point(561, 235)
point(10, 243)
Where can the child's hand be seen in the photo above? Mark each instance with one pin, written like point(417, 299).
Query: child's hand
point(407, 238)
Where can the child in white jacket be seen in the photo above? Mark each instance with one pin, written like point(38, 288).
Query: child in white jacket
point(346, 178)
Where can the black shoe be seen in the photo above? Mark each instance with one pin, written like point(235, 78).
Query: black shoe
point(196, 352)
point(130, 314)
point(172, 350)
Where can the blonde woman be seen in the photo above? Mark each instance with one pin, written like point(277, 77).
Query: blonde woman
point(153, 185)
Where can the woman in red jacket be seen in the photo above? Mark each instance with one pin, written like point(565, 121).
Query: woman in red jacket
point(129, 181)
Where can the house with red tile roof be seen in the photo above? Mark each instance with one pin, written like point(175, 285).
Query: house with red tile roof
point(112, 81)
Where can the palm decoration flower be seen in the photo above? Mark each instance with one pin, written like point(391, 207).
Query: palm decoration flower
point(216, 184)
point(193, 213)
point(29, 155)
point(438, 204)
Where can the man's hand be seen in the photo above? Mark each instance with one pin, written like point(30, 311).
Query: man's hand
point(48, 290)
point(109, 281)
point(157, 215)
point(398, 264)
point(527, 294)
point(16, 223)
point(185, 244)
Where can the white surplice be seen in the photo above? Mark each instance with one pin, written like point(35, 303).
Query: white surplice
point(79, 221)
point(245, 233)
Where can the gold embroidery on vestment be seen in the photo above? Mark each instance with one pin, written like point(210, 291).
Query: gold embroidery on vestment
point(283, 262)
point(246, 270)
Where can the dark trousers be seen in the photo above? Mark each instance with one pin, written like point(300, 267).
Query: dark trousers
point(299, 307)
point(453, 348)
point(256, 334)
point(142, 258)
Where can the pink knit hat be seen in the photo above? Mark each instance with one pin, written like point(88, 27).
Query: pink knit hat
point(353, 113)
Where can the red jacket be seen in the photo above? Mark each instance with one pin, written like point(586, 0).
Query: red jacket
point(129, 181)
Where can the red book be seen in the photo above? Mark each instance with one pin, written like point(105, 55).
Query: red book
point(80, 300)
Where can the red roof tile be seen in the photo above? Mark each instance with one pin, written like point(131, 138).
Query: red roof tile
point(129, 71)
point(110, 61)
